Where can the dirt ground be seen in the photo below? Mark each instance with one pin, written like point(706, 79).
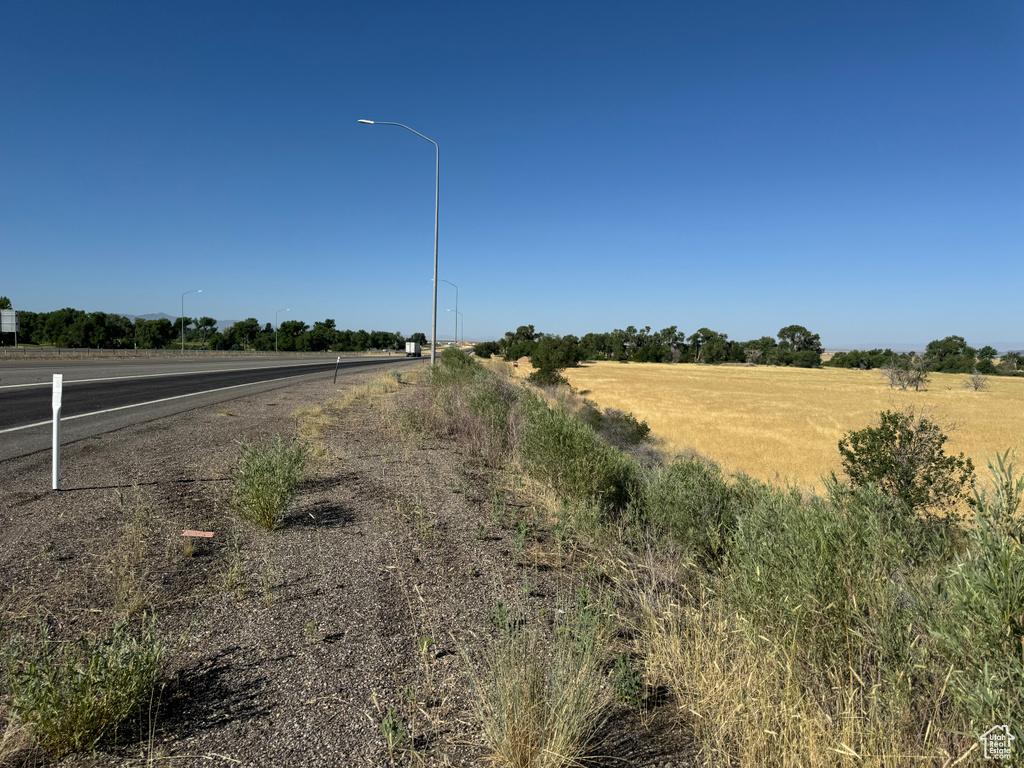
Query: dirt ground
point(289, 647)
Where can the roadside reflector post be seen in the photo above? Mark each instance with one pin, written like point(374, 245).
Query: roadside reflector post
point(336, 365)
point(58, 389)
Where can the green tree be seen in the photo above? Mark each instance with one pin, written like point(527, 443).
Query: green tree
point(5, 303)
point(904, 458)
point(153, 334)
point(707, 346)
point(800, 339)
point(486, 349)
point(950, 355)
point(289, 333)
point(1010, 364)
point(243, 333)
point(551, 356)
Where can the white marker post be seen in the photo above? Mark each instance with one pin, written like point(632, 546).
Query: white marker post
point(58, 388)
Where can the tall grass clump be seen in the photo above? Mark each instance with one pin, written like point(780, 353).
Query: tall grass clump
point(980, 625)
point(541, 697)
point(73, 695)
point(264, 479)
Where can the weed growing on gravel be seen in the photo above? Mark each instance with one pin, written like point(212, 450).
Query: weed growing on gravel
point(392, 728)
point(268, 580)
point(233, 577)
point(73, 695)
point(627, 683)
point(127, 557)
point(312, 630)
point(424, 525)
point(264, 478)
point(499, 617)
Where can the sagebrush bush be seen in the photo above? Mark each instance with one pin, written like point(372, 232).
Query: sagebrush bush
point(622, 430)
point(566, 453)
point(73, 695)
point(264, 479)
point(692, 502)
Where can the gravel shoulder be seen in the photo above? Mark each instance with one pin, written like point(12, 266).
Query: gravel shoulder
point(289, 647)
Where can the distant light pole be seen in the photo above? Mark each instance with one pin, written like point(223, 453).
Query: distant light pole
point(182, 318)
point(277, 325)
point(437, 201)
point(453, 285)
point(458, 316)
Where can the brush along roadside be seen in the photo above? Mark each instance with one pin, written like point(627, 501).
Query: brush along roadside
point(835, 624)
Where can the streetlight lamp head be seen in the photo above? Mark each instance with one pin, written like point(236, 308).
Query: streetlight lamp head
point(366, 122)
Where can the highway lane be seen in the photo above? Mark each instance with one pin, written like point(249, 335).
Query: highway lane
point(31, 404)
point(161, 393)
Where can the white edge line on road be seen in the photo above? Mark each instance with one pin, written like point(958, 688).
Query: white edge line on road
point(151, 402)
point(158, 375)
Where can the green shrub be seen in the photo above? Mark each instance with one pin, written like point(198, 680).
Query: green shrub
point(487, 349)
point(590, 415)
point(623, 430)
point(74, 695)
point(264, 479)
point(691, 502)
point(562, 451)
point(903, 456)
point(982, 624)
point(473, 405)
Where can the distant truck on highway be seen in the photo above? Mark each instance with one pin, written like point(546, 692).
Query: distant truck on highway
point(412, 349)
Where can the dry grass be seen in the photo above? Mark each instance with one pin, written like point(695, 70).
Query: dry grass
point(15, 739)
point(743, 698)
point(783, 424)
point(311, 422)
point(541, 699)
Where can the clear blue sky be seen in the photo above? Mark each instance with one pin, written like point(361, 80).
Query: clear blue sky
point(854, 167)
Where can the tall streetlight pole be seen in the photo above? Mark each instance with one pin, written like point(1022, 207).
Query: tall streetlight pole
point(453, 285)
point(459, 315)
point(437, 200)
point(277, 325)
point(182, 318)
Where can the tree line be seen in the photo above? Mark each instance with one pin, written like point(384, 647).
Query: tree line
point(793, 345)
point(101, 330)
point(949, 355)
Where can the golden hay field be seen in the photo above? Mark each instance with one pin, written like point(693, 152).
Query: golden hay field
point(783, 424)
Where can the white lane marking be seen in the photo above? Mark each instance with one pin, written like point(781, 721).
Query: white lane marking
point(151, 402)
point(158, 375)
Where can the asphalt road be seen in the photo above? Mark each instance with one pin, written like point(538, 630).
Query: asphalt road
point(99, 397)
